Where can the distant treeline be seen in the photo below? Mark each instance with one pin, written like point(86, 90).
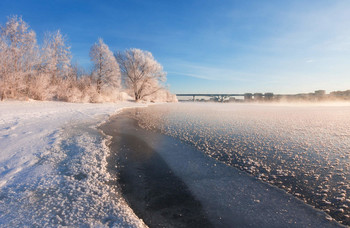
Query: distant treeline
point(318, 95)
point(46, 72)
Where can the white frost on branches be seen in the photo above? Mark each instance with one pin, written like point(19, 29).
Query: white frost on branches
point(106, 71)
point(56, 57)
point(141, 72)
point(18, 56)
point(46, 73)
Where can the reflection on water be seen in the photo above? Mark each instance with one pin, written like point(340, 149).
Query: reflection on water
point(302, 149)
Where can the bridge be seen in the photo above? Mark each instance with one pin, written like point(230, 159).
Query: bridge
point(221, 96)
point(318, 94)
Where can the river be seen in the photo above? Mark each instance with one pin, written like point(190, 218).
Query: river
point(260, 158)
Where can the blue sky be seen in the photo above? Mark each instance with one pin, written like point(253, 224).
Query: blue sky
point(288, 46)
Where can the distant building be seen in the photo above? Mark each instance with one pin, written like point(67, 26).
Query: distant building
point(316, 96)
point(248, 96)
point(258, 96)
point(268, 96)
point(320, 93)
point(342, 95)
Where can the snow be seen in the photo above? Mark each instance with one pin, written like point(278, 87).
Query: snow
point(53, 166)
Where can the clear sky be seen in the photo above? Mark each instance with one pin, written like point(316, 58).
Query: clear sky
point(228, 46)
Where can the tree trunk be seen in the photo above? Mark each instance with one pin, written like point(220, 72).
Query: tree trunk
point(137, 97)
point(99, 82)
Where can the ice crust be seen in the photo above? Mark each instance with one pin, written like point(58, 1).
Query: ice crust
point(53, 167)
point(230, 197)
point(303, 149)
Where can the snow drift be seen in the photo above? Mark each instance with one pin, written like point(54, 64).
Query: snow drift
point(53, 166)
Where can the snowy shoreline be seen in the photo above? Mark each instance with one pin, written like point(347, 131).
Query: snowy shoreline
point(53, 172)
point(53, 166)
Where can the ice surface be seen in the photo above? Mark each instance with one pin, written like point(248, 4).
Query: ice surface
point(230, 197)
point(53, 166)
point(304, 150)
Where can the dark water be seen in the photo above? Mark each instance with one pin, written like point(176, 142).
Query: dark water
point(150, 187)
point(304, 150)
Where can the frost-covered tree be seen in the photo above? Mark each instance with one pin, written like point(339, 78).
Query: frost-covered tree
point(3, 67)
point(56, 56)
point(141, 72)
point(106, 71)
point(47, 73)
point(76, 72)
point(18, 56)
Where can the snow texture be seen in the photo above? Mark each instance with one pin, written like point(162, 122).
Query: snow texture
point(53, 167)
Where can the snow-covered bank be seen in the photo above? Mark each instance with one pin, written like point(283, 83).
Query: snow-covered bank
point(53, 166)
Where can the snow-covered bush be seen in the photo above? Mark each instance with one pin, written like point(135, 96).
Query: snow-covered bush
point(39, 87)
point(162, 95)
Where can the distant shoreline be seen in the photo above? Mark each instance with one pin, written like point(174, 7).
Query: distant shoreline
point(317, 96)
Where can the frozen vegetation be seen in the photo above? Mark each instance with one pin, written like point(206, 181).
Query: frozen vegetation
point(53, 167)
point(31, 71)
point(303, 149)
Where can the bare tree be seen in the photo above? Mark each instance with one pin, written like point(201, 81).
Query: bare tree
point(106, 69)
point(141, 72)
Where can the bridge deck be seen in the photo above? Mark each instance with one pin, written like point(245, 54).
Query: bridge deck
point(207, 95)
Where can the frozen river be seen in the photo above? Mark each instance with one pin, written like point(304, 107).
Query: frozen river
point(302, 149)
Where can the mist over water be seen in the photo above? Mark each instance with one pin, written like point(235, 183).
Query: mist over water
point(303, 149)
